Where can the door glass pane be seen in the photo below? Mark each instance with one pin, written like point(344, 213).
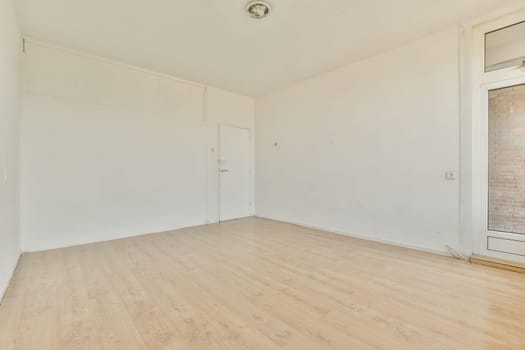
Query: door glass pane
point(506, 152)
point(505, 47)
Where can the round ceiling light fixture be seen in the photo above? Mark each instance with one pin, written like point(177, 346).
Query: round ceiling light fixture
point(258, 9)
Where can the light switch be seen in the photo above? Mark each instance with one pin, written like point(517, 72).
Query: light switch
point(451, 176)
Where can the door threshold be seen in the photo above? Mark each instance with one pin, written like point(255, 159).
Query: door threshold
point(498, 263)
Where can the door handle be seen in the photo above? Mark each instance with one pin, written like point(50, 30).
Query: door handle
point(224, 170)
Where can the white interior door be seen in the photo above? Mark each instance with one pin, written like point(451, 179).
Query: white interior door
point(235, 173)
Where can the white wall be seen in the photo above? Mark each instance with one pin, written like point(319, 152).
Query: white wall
point(9, 91)
point(364, 149)
point(109, 151)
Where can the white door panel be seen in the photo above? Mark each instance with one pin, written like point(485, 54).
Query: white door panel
point(235, 174)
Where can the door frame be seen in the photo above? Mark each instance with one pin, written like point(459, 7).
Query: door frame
point(482, 83)
point(251, 171)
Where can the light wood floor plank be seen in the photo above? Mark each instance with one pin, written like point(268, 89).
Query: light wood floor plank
point(258, 284)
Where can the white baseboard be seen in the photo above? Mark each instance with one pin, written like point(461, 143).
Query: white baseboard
point(367, 238)
point(33, 248)
point(3, 289)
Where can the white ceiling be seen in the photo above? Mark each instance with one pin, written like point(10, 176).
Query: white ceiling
point(215, 42)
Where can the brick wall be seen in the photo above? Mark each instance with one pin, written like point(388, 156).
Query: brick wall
point(506, 139)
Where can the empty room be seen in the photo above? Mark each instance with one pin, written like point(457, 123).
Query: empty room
point(262, 175)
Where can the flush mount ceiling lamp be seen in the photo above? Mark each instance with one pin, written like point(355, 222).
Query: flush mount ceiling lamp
point(258, 9)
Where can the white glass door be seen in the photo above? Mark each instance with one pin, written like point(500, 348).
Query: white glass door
point(503, 137)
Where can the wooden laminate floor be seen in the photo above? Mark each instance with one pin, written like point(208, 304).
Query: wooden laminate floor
point(258, 284)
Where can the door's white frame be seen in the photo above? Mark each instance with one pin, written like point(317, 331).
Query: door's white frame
point(482, 83)
point(219, 163)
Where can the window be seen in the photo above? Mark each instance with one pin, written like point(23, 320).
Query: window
point(505, 47)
